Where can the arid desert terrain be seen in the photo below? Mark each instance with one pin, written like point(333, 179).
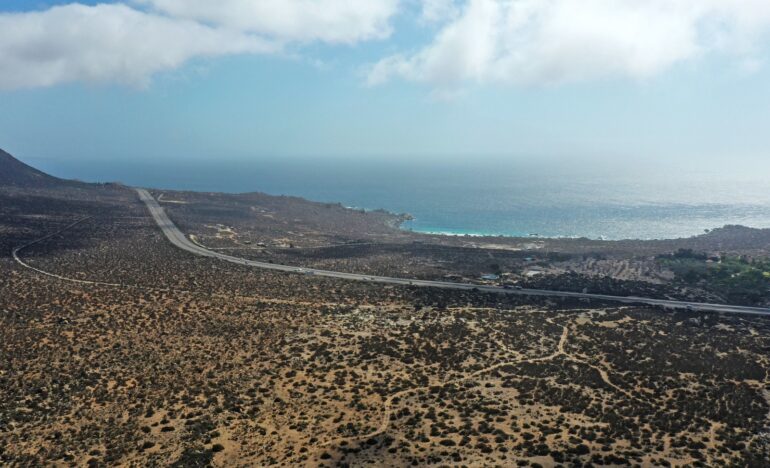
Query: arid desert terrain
point(118, 348)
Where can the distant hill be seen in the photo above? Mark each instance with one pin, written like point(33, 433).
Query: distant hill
point(15, 173)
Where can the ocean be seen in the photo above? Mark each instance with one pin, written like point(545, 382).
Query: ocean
point(488, 196)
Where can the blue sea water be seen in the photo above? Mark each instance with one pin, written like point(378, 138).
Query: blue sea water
point(485, 196)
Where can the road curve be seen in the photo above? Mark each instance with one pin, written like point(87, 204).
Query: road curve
point(176, 237)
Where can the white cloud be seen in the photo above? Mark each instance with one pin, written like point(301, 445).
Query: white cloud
point(105, 43)
point(478, 41)
point(332, 21)
point(554, 41)
point(118, 43)
point(434, 11)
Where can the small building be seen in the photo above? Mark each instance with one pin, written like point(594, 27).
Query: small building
point(534, 271)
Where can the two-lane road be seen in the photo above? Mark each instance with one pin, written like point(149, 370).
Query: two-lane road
point(180, 240)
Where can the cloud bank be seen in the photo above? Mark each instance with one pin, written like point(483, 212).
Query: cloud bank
point(105, 43)
point(519, 42)
point(331, 21)
point(557, 41)
point(118, 43)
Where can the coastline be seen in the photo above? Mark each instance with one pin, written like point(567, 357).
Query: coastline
point(534, 237)
point(514, 212)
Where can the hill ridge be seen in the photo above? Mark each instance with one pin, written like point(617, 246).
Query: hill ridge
point(17, 173)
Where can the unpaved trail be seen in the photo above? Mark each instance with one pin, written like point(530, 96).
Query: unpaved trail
point(16, 254)
point(21, 262)
point(388, 404)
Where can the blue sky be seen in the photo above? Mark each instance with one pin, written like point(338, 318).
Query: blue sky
point(406, 79)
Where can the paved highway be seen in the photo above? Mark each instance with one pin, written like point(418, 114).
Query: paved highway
point(180, 240)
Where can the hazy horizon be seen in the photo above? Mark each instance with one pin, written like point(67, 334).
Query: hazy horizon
point(614, 81)
point(512, 198)
point(407, 105)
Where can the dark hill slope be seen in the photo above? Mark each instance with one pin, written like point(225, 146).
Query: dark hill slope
point(15, 173)
point(25, 190)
